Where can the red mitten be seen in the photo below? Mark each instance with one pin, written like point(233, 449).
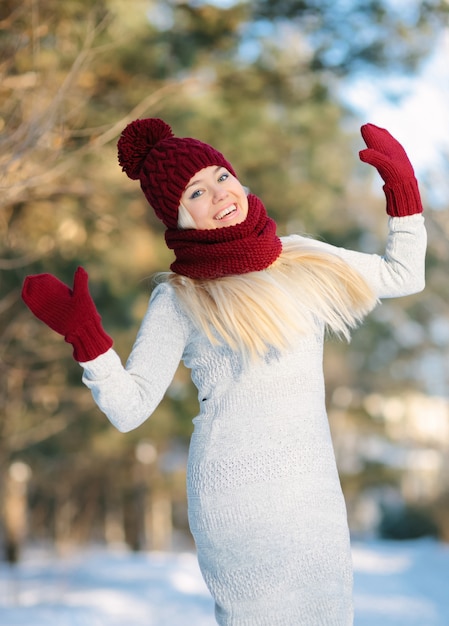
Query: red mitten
point(387, 155)
point(69, 312)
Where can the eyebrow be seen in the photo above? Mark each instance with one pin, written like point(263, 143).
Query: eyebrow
point(196, 182)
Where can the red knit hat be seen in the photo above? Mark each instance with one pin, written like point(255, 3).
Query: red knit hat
point(148, 151)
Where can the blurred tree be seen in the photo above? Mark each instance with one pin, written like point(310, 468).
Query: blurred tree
point(369, 35)
point(53, 212)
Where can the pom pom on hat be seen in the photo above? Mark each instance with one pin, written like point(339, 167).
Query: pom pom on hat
point(136, 142)
point(148, 151)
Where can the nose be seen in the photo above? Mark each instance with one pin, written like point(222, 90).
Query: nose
point(218, 192)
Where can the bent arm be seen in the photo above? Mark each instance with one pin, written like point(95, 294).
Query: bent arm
point(129, 395)
point(400, 271)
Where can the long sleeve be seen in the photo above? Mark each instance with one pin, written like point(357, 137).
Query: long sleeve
point(129, 395)
point(400, 271)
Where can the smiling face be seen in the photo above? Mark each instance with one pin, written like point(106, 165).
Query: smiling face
point(215, 198)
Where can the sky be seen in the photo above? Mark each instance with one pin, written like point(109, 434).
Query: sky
point(419, 119)
point(396, 584)
point(417, 113)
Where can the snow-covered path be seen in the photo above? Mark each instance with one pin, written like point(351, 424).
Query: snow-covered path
point(395, 584)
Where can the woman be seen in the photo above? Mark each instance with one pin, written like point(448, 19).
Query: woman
point(247, 313)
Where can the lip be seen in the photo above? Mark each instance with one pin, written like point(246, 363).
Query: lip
point(235, 211)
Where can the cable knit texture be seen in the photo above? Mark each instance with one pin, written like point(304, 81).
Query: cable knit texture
point(265, 503)
point(149, 152)
point(249, 246)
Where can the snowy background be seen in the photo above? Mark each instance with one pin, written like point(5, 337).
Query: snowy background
point(396, 583)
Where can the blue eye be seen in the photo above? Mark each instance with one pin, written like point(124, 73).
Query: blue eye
point(223, 177)
point(195, 194)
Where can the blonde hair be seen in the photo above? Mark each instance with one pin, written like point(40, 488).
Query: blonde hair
point(185, 220)
point(301, 289)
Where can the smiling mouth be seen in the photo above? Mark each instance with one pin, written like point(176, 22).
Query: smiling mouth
point(226, 212)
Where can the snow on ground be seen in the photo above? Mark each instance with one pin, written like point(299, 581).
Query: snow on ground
point(395, 584)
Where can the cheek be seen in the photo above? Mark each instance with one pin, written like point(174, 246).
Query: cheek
point(197, 208)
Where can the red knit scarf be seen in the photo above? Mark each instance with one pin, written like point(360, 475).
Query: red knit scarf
point(247, 247)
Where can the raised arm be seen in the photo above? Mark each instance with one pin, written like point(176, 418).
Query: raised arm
point(400, 271)
point(127, 395)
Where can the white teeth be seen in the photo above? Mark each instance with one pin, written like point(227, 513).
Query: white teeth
point(226, 212)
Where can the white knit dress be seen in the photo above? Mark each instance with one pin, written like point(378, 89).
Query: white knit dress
point(265, 504)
